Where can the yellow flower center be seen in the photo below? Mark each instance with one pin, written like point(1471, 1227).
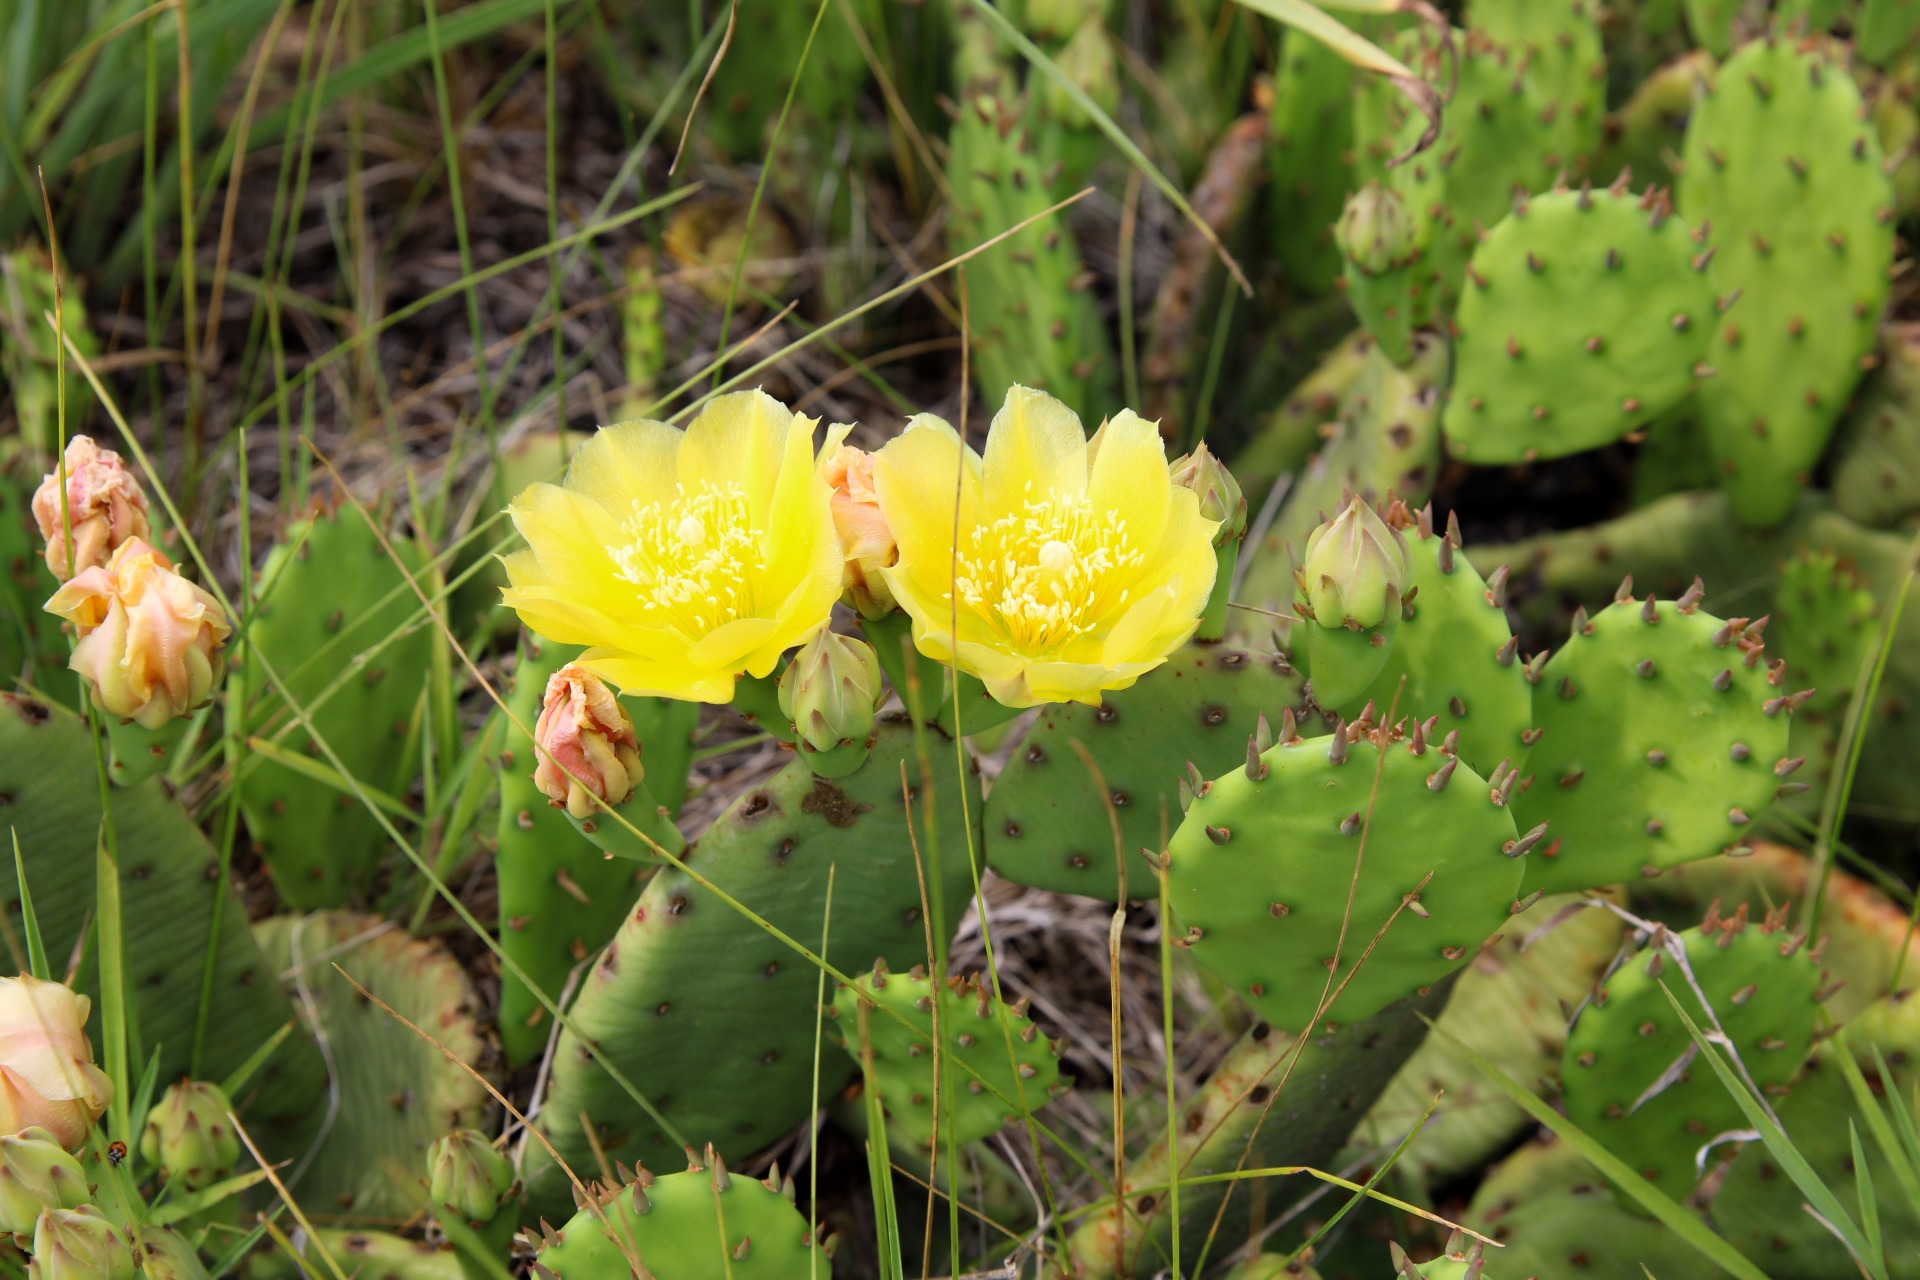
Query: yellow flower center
point(692, 557)
point(1047, 574)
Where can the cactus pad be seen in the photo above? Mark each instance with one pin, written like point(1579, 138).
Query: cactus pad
point(1263, 866)
point(1824, 622)
point(1876, 472)
point(1537, 374)
point(1782, 160)
point(1662, 737)
point(1046, 821)
point(1629, 1072)
point(704, 1224)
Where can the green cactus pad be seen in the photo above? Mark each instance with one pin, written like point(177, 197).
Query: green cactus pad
point(1536, 377)
point(701, 1008)
point(1823, 623)
point(560, 897)
point(398, 1092)
point(1309, 131)
point(170, 880)
point(1558, 45)
point(1712, 22)
point(1298, 427)
point(1509, 1005)
point(1456, 651)
point(1270, 1101)
point(363, 1255)
point(1272, 1266)
point(704, 1224)
point(1876, 471)
point(1047, 824)
point(1885, 29)
point(977, 1030)
point(337, 622)
point(1645, 135)
point(1661, 733)
point(1781, 159)
point(1555, 1216)
point(1629, 1076)
point(1263, 866)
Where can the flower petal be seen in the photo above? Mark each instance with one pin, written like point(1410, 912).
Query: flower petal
point(627, 463)
point(740, 438)
point(1036, 446)
point(1128, 478)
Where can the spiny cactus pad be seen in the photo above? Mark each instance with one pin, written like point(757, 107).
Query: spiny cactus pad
point(1046, 821)
point(1662, 736)
point(704, 1224)
point(398, 1093)
point(1781, 159)
point(1824, 620)
point(1010, 1062)
point(705, 1011)
point(170, 877)
point(1629, 1072)
point(1263, 866)
point(339, 625)
point(1536, 375)
point(1309, 133)
point(1876, 470)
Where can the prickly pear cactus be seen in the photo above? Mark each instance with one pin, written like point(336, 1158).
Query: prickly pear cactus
point(1536, 378)
point(171, 878)
point(1272, 1266)
point(1629, 1072)
point(1876, 471)
point(997, 1064)
point(701, 1008)
point(1824, 620)
point(29, 350)
point(1382, 241)
point(704, 1224)
point(363, 1255)
point(1267, 874)
point(1294, 430)
point(1662, 736)
point(1782, 161)
point(397, 1091)
point(339, 625)
point(1556, 45)
point(1309, 132)
point(1644, 136)
point(1886, 29)
point(1047, 822)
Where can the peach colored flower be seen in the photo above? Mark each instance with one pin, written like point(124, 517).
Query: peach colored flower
point(104, 501)
point(150, 641)
point(587, 744)
point(47, 1076)
point(866, 539)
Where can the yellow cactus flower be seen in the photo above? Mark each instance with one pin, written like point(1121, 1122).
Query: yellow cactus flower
point(1080, 565)
point(682, 559)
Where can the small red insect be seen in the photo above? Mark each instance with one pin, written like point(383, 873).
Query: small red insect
point(116, 1152)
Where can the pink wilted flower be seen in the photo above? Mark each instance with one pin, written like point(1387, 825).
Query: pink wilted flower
point(866, 540)
point(150, 641)
point(587, 744)
point(47, 1076)
point(104, 501)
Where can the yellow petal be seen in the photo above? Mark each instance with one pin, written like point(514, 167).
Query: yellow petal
point(1128, 479)
point(1035, 446)
point(568, 535)
point(914, 479)
point(628, 463)
point(727, 647)
point(657, 680)
point(739, 438)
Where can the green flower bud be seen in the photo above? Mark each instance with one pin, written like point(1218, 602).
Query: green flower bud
point(1089, 63)
point(1376, 232)
point(36, 1173)
point(1355, 570)
point(1220, 497)
point(830, 691)
point(189, 1137)
point(1058, 19)
point(165, 1254)
point(468, 1176)
point(78, 1244)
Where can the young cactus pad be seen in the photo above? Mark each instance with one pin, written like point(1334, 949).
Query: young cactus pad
point(1781, 159)
point(1585, 313)
point(1262, 870)
point(1630, 1076)
point(704, 1224)
point(1662, 736)
point(995, 1060)
point(704, 1010)
point(1047, 824)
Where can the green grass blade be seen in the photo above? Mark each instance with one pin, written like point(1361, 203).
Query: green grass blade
point(1902, 1157)
point(197, 1202)
point(1869, 1202)
point(114, 1010)
point(1617, 1171)
point(36, 948)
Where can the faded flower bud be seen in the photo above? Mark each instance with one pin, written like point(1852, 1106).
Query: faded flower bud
point(104, 502)
point(831, 689)
point(468, 1176)
point(587, 746)
point(151, 643)
point(866, 540)
point(1375, 231)
point(1220, 497)
point(189, 1136)
point(1355, 569)
point(79, 1244)
point(47, 1076)
point(36, 1173)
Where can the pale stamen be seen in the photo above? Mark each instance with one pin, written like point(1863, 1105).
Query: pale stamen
point(692, 558)
point(1048, 574)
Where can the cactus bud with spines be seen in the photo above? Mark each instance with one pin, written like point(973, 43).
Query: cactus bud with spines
point(830, 692)
point(104, 504)
point(466, 1174)
point(36, 1173)
point(1381, 239)
point(1351, 582)
point(189, 1136)
point(79, 1244)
